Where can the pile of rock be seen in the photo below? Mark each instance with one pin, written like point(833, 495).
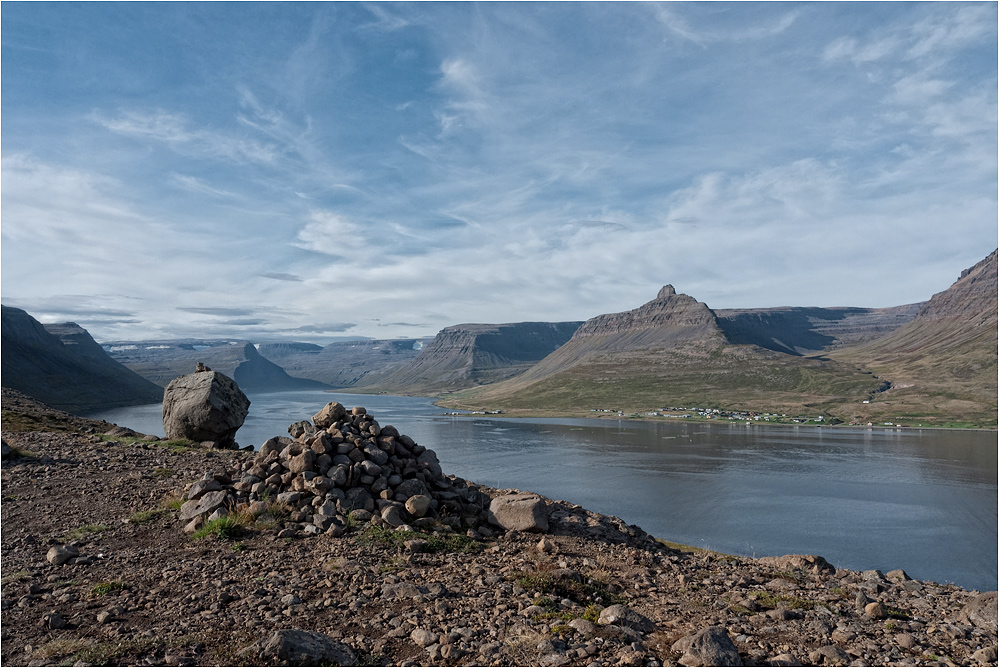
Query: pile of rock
point(343, 469)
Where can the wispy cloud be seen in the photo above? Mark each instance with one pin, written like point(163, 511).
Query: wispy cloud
point(173, 131)
point(278, 276)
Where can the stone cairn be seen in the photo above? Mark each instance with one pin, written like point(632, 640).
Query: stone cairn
point(343, 469)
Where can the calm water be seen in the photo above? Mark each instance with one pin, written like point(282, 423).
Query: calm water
point(921, 500)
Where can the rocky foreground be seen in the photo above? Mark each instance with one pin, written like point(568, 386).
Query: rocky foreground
point(97, 569)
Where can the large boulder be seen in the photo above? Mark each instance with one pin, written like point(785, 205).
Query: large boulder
point(297, 647)
point(519, 512)
point(204, 406)
point(708, 647)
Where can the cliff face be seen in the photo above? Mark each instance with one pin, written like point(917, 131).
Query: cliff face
point(162, 361)
point(66, 368)
point(950, 329)
point(345, 363)
point(802, 331)
point(475, 354)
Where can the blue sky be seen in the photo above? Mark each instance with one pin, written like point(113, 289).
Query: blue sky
point(307, 170)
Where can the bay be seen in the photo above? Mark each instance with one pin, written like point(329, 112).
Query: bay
point(918, 499)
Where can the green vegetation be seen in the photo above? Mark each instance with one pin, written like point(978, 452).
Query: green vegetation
point(545, 582)
point(447, 543)
point(144, 516)
point(82, 531)
point(228, 527)
point(107, 587)
point(16, 576)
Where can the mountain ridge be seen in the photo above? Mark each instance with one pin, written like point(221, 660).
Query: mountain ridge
point(65, 368)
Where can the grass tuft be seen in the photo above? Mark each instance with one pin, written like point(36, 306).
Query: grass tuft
point(222, 528)
point(107, 587)
point(82, 531)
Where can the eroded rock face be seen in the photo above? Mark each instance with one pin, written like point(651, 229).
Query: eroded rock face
point(204, 406)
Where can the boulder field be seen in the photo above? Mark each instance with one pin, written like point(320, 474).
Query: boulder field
point(111, 556)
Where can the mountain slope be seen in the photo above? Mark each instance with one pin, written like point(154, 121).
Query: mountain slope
point(162, 361)
point(943, 363)
point(66, 368)
point(476, 354)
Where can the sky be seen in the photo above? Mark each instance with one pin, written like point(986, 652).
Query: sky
point(309, 171)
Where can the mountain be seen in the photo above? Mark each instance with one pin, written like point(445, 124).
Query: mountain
point(933, 363)
point(344, 363)
point(672, 350)
point(62, 366)
point(943, 364)
point(162, 361)
point(468, 355)
point(803, 330)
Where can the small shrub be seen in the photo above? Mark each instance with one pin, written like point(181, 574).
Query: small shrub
point(107, 587)
point(163, 473)
point(222, 528)
point(771, 600)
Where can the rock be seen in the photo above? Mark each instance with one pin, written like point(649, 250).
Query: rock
point(519, 512)
point(392, 516)
point(303, 648)
point(8, 452)
point(809, 563)
point(829, 655)
point(584, 626)
point(201, 487)
point(206, 505)
point(411, 487)
point(60, 554)
point(905, 640)
point(708, 647)
point(897, 575)
point(876, 610)
point(54, 620)
point(546, 545)
point(300, 428)
point(206, 406)
point(624, 616)
point(418, 505)
point(786, 660)
point(981, 611)
point(423, 637)
point(330, 413)
point(105, 617)
point(986, 656)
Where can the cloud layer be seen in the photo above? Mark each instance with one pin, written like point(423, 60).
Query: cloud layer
point(319, 170)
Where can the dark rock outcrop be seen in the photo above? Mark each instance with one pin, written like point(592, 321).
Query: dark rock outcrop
point(475, 354)
point(204, 406)
point(802, 331)
point(63, 367)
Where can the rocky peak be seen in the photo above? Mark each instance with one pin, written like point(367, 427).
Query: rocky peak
point(674, 316)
